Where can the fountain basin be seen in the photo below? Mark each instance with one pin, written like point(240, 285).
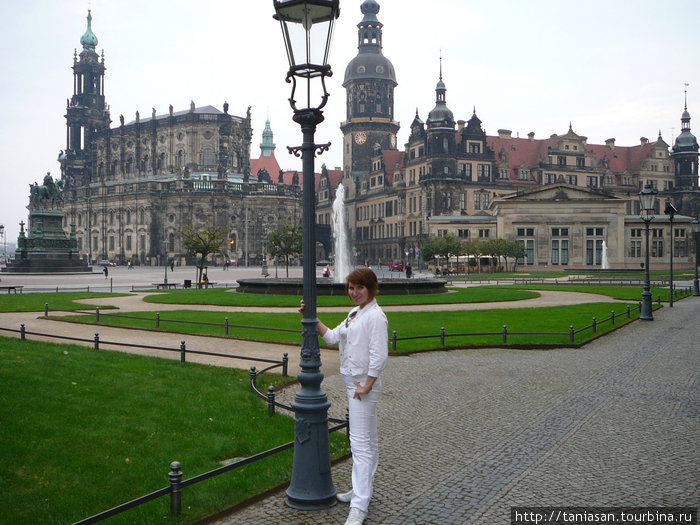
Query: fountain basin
point(295, 286)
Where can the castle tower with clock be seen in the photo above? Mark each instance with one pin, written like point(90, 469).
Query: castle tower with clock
point(369, 82)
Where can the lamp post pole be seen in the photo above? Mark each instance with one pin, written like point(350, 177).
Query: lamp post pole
point(696, 234)
point(647, 199)
point(670, 211)
point(4, 238)
point(311, 486)
point(165, 279)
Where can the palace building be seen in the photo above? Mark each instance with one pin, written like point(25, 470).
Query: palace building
point(562, 197)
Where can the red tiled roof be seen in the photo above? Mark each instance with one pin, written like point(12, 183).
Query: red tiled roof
point(268, 163)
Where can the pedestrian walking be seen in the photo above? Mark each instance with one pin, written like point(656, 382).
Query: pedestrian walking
point(105, 270)
point(172, 266)
point(363, 340)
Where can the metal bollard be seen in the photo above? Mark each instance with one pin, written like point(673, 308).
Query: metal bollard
point(97, 314)
point(22, 336)
point(571, 333)
point(285, 364)
point(658, 299)
point(612, 316)
point(46, 309)
point(271, 400)
point(226, 325)
point(593, 324)
point(628, 311)
point(157, 319)
point(442, 336)
point(183, 350)
point(175, 476)
point(393, 341)
point(253, 378)
point(505, 334)
point(97, 341)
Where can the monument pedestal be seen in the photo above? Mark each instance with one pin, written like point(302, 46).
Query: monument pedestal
point(47, 248)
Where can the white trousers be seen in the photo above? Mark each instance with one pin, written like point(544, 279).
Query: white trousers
point(364, 440)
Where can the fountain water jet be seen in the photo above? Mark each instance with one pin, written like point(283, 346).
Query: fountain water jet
point(605, 265)
point(341, 246)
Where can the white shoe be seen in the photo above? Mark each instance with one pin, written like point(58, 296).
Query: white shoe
point(344, 497)
point(356, 516)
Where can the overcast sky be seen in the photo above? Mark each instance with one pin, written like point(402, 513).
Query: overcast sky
point(611, 68)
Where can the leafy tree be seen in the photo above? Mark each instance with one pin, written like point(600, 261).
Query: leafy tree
point(441, 246)
point(286, 241)
point(207, 240)
point(516, 250)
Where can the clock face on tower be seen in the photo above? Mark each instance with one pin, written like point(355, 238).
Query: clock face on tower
point(360, 137)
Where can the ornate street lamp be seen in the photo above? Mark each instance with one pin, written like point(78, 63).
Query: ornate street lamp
point(307, 28)
point(670, 211)
point(696, 234)
point(647, 199)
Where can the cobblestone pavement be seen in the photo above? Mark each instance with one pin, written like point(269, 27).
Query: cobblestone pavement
point(465, 435)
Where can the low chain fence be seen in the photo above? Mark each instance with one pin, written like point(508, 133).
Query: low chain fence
point(157, 320)
point(505, 333)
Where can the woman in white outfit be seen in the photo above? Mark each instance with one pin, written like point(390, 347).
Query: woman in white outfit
point(363, 340)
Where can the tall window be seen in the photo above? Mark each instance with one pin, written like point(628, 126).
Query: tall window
point(679, 244)
point(594, 245)
point(560, 246)
point(526, 237)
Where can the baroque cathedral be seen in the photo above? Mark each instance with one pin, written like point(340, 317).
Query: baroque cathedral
point(564, 199)
point(129, 189)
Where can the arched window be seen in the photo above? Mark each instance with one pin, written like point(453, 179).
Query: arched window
point(128, 216)
point(100, 170)
point(144, 163)
point(115, 164)
point(171, 242)
point(141, 215)
point(129, 164)
point(179, 158)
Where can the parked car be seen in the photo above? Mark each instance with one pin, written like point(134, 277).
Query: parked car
point(396, 265)
point(105, 262)
point(323, 262)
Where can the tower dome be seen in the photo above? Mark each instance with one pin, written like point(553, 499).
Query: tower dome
point(441, 116)
point(89, 40)
point(370, 63)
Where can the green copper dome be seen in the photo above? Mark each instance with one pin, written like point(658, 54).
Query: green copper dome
point(89, 40)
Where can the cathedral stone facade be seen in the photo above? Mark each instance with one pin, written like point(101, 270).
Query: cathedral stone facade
point(129, 189)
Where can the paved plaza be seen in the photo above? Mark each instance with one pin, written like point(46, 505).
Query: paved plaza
point(466, 435)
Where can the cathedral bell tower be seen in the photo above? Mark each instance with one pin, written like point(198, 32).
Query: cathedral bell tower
point(86, 111)
point(369, 82)
point(685, 154)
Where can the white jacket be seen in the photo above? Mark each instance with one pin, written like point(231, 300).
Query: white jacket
point(363, 339)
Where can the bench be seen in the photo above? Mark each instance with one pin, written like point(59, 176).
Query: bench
point(12, 288)
point(163, 286)
point(207, 284)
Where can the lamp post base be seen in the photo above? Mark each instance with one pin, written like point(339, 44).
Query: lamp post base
point(696, 288)
point(646, 313)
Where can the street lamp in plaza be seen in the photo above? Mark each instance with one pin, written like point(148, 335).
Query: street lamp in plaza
point(4, 238)
point(670, 211)
point(696, 234)
point(307, 28)
point(647, 199)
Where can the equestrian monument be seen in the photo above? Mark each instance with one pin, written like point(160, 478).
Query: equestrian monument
point(46, 248)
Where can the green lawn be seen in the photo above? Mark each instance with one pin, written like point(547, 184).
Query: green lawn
point(34, 302)
point(551, 319)
point(84, 430)
point(229, 297)
point(622, 293)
